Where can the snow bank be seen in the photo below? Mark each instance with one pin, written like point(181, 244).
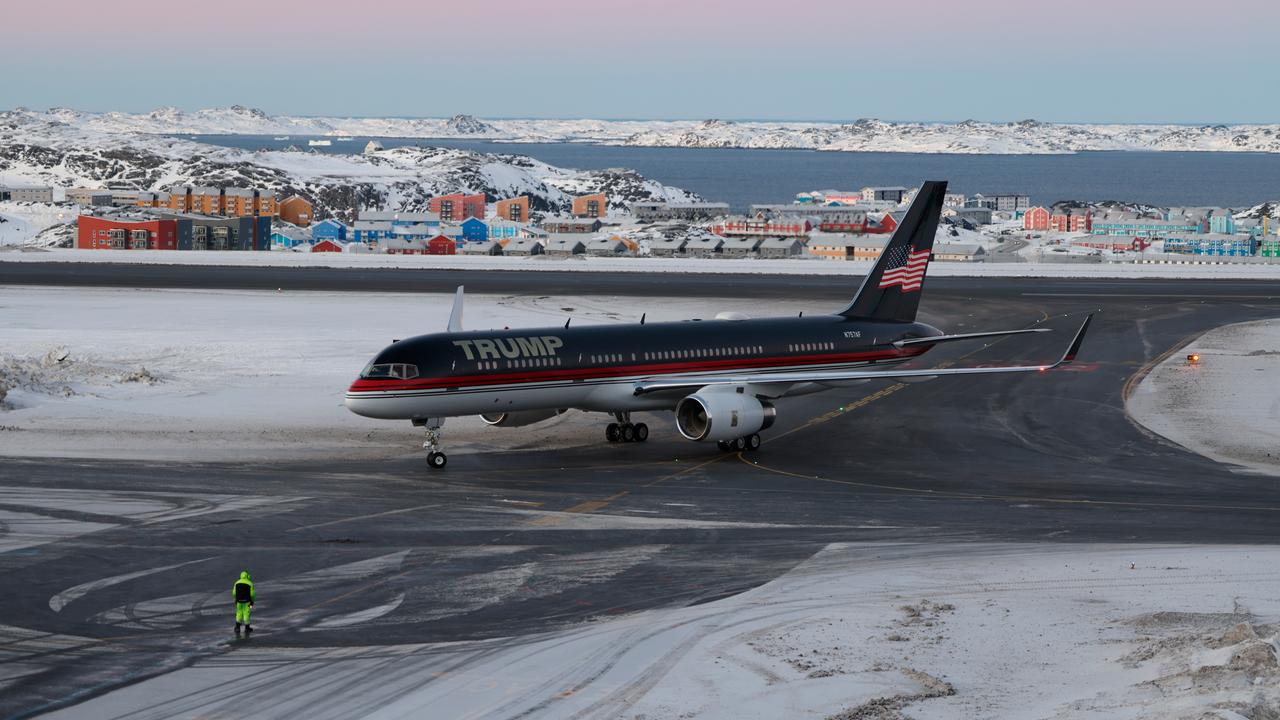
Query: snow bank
point(20, 223)
point(858, 631)
point(1239, 271)
point(1224, 406)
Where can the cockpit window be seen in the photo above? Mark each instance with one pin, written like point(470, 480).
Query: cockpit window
point(402, 371)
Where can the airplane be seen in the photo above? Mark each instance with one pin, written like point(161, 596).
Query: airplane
point(720, 377)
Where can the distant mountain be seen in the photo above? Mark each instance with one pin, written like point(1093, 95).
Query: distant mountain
point(469, 125)
point(38, 148)
point(866, 135)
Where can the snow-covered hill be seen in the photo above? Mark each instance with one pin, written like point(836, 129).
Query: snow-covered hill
point(1022, 137)
point(66, 148)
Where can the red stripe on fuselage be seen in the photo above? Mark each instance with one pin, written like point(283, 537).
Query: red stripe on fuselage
point(600, 372)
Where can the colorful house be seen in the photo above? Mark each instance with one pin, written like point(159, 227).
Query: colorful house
point(329, 230)
point(590, 206)
point(126, 232)
point(458, 207)
point(327, 245)
point(288, 237)
point(295, 210)
point(1222, 223)
point(505, 229)
point(475, 230)
point(1036, 219)
point(1068, 221)
point(515, 209)
point(1210, 244)
point(441, 245)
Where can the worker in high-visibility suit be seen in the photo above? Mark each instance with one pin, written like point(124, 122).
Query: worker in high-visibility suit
point(243, 593)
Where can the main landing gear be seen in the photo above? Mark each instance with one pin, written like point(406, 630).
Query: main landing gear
point(436, 459)
point(750, 443)
point(624, 430)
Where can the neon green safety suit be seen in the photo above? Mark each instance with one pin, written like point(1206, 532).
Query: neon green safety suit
point(242, 592)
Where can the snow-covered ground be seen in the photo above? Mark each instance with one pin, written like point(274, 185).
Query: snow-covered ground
point(1021, 137)
point(192, 374)
point(1065, 632)
point(39, 149)
point(808, 266)
point(1225, 406)
point(20, 223)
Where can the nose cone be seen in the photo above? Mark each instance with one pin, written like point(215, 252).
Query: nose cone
point(359, 402)
point(370, 402)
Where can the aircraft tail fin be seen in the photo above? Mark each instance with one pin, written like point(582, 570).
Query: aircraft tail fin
point(891, 291)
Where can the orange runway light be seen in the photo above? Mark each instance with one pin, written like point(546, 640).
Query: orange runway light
point(1193, 358)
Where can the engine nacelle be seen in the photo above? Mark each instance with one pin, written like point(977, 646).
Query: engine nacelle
point(518, 419)
point(722, 414)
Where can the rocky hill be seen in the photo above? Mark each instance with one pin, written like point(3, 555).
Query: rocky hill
point(969, 136)
point(48, 149)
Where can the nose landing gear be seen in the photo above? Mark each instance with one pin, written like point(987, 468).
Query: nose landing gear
point(436, 458)
point(624, 430)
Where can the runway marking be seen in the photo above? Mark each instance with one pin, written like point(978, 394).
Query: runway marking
point(954, 495)
point(1170, 296)
point(591, 506)
point(70, 595)
point(363, 517)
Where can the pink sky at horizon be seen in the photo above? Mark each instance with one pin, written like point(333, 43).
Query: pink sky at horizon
point(673, 58)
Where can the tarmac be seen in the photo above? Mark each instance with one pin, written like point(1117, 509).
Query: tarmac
point(120, 571)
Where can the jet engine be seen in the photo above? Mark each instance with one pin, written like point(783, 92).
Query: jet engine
point(722, 414)
point(518, 419)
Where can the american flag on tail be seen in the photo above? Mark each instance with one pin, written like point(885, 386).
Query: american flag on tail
point(905, 268)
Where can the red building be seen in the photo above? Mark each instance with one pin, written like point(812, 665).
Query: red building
point(843, 227)
point(761, 226)
point(126, 233)
point(326, 246)
point(887, 224)
point(1072, 222)
point(458, 207)
point(1105, 242)
point(441, 245)
point(1037, 218)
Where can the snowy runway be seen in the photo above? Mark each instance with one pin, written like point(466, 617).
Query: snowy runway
point(1025, 631)
point(199, 374)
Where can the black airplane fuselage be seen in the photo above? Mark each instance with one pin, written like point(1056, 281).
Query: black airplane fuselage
point(594, 367)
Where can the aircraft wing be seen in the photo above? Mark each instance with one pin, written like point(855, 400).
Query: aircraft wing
point(966, 336)
point(819, 376)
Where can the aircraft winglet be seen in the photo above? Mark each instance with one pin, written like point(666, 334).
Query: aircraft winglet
point(455, 316)
point(1075, 344)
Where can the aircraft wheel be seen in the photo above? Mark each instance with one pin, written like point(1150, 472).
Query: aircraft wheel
point(753, 441)
point(437, 460)
point(642, 432)
point(628, 433)
point(612, 432)
point(724, 445)
point(740, 444)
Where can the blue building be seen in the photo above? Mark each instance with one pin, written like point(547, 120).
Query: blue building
point(505, 229)
point(329, 230)
point(475, 230)
point(1222, 224)
point(370, 232)
point(376, 225)
point(1210, 244)
point(288, 237)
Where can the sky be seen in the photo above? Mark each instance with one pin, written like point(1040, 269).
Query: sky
point(1128, 61)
